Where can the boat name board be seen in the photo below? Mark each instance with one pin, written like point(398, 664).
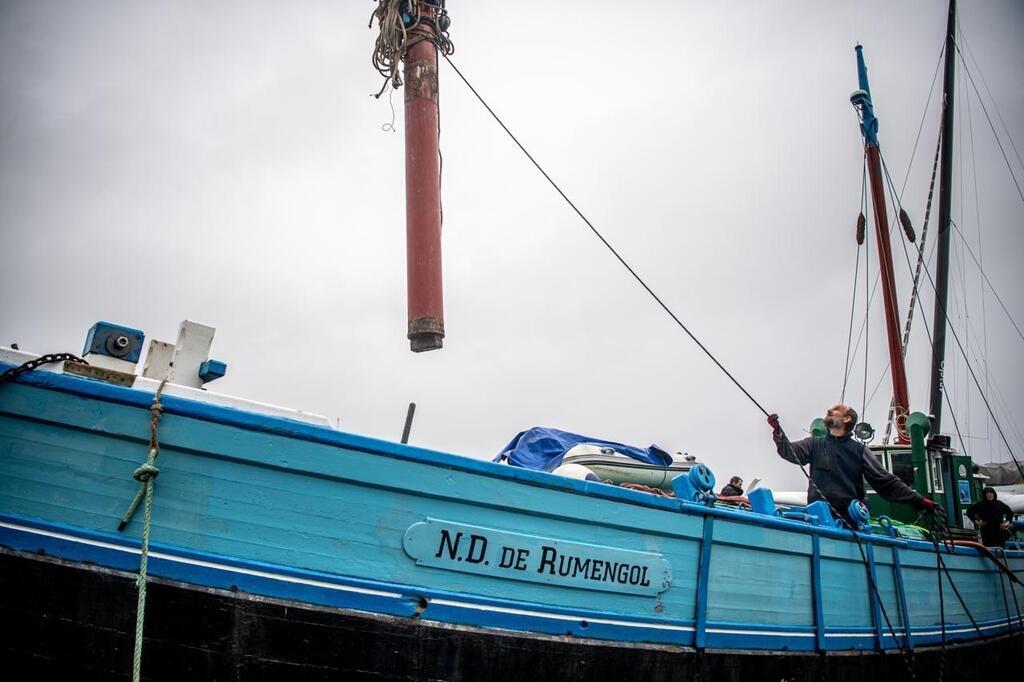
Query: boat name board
point(516, 556)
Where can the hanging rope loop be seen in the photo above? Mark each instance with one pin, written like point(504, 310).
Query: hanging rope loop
point(146, 475)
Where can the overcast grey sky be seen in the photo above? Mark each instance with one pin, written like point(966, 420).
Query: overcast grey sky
point(224, 162)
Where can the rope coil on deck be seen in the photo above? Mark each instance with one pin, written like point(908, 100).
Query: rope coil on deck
point(145, 474)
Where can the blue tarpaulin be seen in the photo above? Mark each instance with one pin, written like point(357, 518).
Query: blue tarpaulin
point(542, 449)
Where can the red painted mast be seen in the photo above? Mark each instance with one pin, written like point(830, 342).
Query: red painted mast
point(869, 127)
point(423, 184)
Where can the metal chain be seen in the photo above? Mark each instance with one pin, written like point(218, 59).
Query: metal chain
point(39, 362)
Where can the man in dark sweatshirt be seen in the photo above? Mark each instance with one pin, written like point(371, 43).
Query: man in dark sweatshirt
point(734, 488)
point(839, 465)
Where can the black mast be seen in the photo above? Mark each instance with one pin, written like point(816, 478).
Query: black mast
point(945, 199)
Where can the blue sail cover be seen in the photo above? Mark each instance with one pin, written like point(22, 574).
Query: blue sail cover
point(542, 449)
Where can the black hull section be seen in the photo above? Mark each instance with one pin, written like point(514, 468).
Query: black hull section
point(78, 621)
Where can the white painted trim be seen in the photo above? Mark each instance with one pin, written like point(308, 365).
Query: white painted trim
point(1002, 624)
point(202, 395)
point(204, 564)
point(725, 631)
point(17, 357)
point(70, 538)
point(560, 616)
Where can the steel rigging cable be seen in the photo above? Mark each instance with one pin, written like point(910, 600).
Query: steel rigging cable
point(897, 217)
point(987, 281)
point(605, 241)
point(861, 221)
point(984, 82)
point(917, 271)
point(989, 119)
point(906, 650)
point(963, 353)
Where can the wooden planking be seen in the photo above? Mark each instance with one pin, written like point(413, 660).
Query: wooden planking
point(327, 461)
point(760, 586)
point(844, 584)
point(287, 517)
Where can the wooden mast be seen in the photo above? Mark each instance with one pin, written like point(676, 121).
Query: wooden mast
point(861, 99)
point(423, 183)
point(942, 244)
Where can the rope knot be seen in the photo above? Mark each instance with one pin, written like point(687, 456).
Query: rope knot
point(157, 408)
point(145, 473)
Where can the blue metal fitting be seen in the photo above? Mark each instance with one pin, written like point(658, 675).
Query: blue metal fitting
point(862, 100)
point(762, 501)
point(821, 513)
point(702, 478)
point(212, 369)
point(886, 523)
point(123, 343)
point(695, 485)
point(859, 515)
point(684, 489)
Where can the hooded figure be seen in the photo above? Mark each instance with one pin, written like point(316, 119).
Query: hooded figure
point(992, 517)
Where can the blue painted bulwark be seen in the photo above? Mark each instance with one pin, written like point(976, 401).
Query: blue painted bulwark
point(114, 340)
point(212, 369)
point(821, 513)
point(762, 501)
point(305, 513)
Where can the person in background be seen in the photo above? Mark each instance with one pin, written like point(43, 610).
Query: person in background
point(992, 517)
point(839, 465)
point(734, 488)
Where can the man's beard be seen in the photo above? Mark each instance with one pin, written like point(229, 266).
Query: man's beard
point(835, 423)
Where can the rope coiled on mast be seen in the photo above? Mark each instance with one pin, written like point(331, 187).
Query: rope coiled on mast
point(401, 26)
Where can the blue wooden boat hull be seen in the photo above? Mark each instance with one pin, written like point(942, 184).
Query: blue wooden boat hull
point(274, 508)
